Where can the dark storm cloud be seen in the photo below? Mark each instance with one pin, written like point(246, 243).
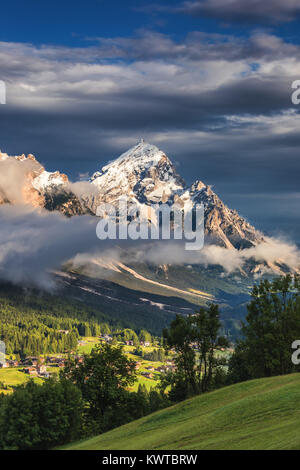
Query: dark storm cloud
point(256, 11)
point(241, 163)
point(80, 136)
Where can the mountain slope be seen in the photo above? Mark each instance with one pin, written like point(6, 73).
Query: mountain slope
point(152, 295)
point(23, 180)
point(224, 226)
point(259, 414)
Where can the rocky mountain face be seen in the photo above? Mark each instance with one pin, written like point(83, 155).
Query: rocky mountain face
point(224, 226)
point(24, 180)
point(146, 176)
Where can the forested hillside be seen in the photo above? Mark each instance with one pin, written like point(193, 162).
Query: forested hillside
point(33, 323)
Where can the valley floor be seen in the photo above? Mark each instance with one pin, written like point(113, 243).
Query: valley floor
point(258, 414)
point(11, 377)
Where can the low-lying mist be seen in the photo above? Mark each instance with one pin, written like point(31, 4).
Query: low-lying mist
point(34, 242)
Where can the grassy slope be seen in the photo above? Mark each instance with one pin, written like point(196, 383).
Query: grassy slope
point(259, 414)
point(12, 377)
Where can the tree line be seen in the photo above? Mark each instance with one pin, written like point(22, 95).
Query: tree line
point(272, 325)
point(265, 349)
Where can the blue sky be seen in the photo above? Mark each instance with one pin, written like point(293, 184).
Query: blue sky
point(71, 23)
point(208, 81)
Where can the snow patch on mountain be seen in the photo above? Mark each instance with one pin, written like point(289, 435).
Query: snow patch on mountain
point(46, 179)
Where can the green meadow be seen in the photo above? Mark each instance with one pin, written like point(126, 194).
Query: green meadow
point(128, 350)
point(258, 414)
point(11, 377)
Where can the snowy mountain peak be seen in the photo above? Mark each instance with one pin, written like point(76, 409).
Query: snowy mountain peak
point(142, 155)
point(143, 173)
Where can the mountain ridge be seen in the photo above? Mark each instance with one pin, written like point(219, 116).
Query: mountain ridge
point(146, 176)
